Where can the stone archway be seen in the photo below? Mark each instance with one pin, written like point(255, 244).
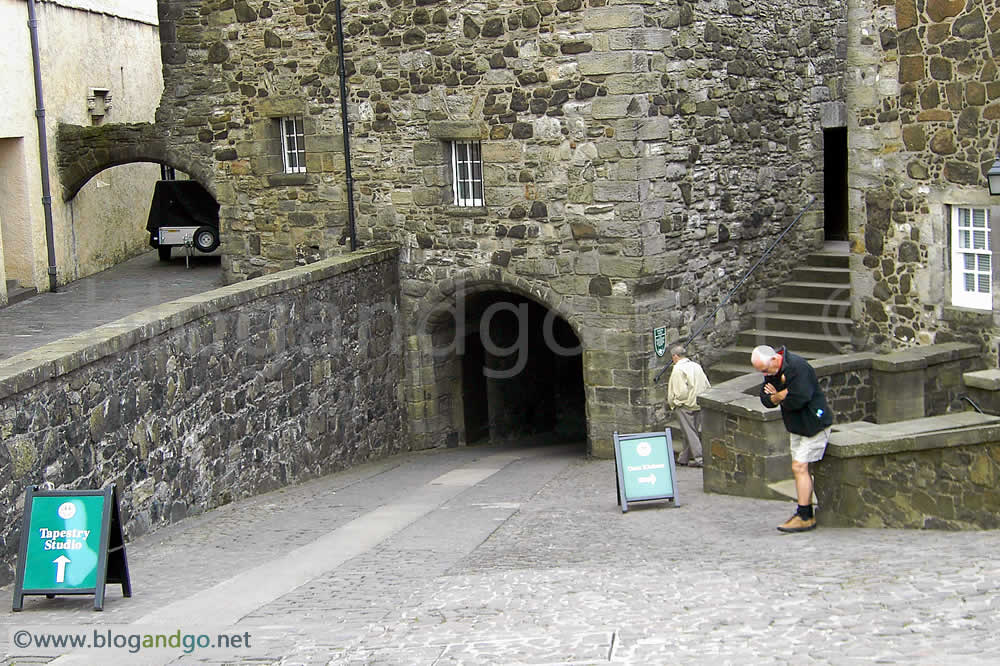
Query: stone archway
point(83, 152)
point(494, 356)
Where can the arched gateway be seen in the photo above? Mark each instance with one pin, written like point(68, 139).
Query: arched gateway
point(494, 356)
point(83, 152)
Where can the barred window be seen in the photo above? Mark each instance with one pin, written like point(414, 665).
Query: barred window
point(467, 173)
point(293, 145)
point(971, 258)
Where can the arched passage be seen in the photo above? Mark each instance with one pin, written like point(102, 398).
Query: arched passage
point(496, 360)
point(522, 371)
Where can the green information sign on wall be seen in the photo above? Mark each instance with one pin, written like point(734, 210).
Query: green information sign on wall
point(71, 543)
point(645, 467)
point(660, 340)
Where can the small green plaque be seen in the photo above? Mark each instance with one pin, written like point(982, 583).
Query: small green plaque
point(660, 340)
point(645, 466)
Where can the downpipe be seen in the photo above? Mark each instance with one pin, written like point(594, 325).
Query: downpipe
point(43, 146)
point(351, 228)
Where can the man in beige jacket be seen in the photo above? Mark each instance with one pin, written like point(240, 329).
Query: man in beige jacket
point(687, 382)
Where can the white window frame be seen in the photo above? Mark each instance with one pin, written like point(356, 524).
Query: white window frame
point(467, 173)
point(293, 144)
point(971, 258)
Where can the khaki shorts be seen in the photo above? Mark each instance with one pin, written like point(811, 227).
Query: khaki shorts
point(809, 449)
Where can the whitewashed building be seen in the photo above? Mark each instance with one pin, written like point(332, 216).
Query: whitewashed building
point(98, 62)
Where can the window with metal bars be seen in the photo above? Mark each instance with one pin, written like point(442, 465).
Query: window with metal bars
point(293, 144)
point(971, 258)
point(467, 173)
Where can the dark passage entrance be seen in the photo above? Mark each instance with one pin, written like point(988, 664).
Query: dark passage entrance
point(835, 184)
point(522, 371)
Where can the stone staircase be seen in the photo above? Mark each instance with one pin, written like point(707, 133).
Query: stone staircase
point(16, 293)
point(811, 315)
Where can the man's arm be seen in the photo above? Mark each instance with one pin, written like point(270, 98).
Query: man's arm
point(799, 389)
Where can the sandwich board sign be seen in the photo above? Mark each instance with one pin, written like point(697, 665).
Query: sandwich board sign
point(71, 543)
point(645, 467)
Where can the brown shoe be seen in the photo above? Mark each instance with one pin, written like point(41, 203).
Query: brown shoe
point(797, 524)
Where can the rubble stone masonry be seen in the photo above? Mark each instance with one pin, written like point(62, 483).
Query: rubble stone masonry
point(639, 156)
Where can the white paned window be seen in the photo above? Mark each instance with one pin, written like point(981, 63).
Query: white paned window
point(293, 144)
point(971, 258)
point(467, 173)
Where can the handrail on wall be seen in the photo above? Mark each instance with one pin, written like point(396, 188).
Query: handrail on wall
point(739, 284)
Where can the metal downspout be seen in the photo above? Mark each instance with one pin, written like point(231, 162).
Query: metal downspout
point(347, 132)
point(43, 146)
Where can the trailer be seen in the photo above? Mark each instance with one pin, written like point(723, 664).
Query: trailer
point(182, 214)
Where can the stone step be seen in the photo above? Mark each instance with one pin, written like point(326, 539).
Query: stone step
point(801, 323)
point(813, 307)
point(816, 290)
point(796, 342)
point(16, 293)
point(831, 259)
point(823, 274)
point(722, 372)
point(787, 488)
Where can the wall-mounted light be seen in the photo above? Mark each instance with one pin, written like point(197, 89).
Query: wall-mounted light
point(993, 176)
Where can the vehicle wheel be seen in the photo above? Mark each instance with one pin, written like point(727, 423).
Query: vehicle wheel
point(205, 239)
point(164, 252)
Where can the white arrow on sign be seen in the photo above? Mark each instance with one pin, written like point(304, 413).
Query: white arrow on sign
point(61, 563)
point(651, 479)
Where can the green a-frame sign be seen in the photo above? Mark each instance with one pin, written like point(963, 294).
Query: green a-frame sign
point(71, 543)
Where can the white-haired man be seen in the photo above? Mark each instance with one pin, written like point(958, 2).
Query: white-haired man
point(687, 382)
point(790, 383)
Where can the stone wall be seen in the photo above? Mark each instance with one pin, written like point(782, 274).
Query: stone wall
point(638, 158)
point(924, 127)
point(942, 478)
point(190, 405)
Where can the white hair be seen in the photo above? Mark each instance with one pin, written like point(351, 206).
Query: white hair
point(763, 354)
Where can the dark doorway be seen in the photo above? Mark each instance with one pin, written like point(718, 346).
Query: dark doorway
point(835, 184)
point(522, 371)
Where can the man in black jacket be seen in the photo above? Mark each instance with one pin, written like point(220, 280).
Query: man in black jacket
point(790, 383)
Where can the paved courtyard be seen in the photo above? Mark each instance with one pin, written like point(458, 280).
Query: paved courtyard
point(520, 555)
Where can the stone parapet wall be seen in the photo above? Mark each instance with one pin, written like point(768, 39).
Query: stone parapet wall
point(942, 478)
point(746, 444)
point(195, 403)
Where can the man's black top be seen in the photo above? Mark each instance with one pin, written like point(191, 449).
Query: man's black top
point(804, 409)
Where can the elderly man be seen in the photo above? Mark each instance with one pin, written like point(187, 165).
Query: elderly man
point(790, 383)
point(687, 382)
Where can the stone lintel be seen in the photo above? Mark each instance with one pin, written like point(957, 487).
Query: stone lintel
point(459, 130)
point(280, 106)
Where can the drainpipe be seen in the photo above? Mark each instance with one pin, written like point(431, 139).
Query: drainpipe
point(347, 132)
point(43, 145)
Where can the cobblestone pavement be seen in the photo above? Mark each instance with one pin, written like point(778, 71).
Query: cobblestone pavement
point(125, 289)
point(520, 555)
